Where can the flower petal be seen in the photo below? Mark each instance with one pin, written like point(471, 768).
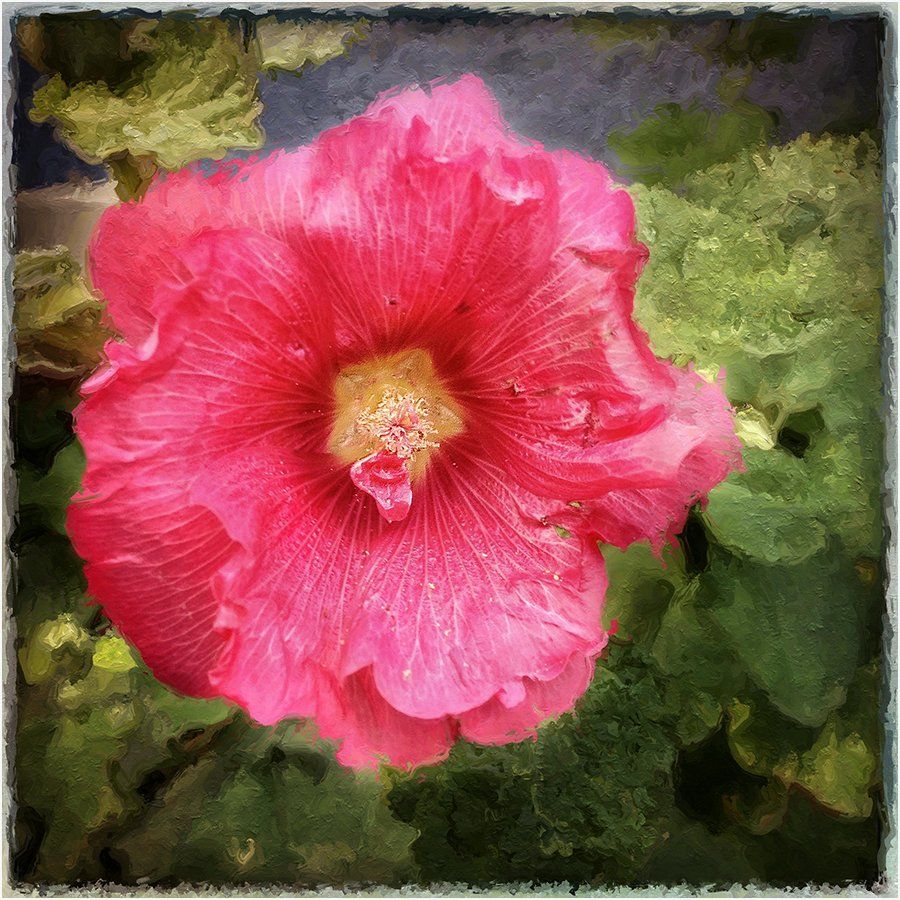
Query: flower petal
point(409, 245)
point(596, 216)
point(385, 477)
point(131, 243)
point(471, 593)
point(370, 730)
point(208, 383)
point(150, 556)
point(421, 199)
point(577, 406)
point(657, 514)
point(495, 722)
point(461, 116)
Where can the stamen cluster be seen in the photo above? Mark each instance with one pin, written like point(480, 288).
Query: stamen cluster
point(401, 422)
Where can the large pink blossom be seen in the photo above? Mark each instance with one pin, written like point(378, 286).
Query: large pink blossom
point(360, 386)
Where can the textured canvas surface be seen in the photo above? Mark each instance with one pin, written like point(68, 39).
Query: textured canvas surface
point(719, 718)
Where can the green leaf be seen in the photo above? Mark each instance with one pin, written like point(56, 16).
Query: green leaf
point(112, 654)
point(770, 267)
point(843, 767)
point(840, 770)
point(64, 774)
point(47, 497)
point(700, 678)
point(674, 142)
point(777, 283)
point(760, 39)
point(611, 34)
point(764, 742)
point(291, 45)
point(690, 853)
point(57, 319)
point(839, 764)
point(796, 629)
point(761, 809)
point(96, 725)
point(641, 584)
point(767, 527)
point(190, 94)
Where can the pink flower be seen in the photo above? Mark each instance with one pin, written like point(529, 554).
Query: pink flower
point(361, 383)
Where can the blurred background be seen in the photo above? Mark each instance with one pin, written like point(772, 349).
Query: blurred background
point(733, 732)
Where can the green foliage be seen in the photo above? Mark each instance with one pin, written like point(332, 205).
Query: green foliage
point(613, 34)
point(692, 854)
point(673, 142)
point(797, 629)
point(119, 777)
point(57, 320)
point(738, 42)
point(101, 705)
point(759, 524)
point(770, 267)
point(267, 807)
point(146, 94)
point(838, 763)
point(700, 677)
point(190, 92)
point(49, 583)
point(641, 585)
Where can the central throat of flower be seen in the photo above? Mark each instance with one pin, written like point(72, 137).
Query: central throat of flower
point(391, 413)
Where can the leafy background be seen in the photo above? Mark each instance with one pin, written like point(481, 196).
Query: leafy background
point(733, 731)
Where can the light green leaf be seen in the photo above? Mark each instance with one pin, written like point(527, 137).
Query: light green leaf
point(192, 94)
point(54, 645)
point(290, 45)
point(838, 764)
point(769, 267)
point(57, 319)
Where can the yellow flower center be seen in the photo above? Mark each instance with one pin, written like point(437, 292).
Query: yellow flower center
point(397, 403)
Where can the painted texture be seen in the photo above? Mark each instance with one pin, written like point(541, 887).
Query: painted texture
point(732, 729)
